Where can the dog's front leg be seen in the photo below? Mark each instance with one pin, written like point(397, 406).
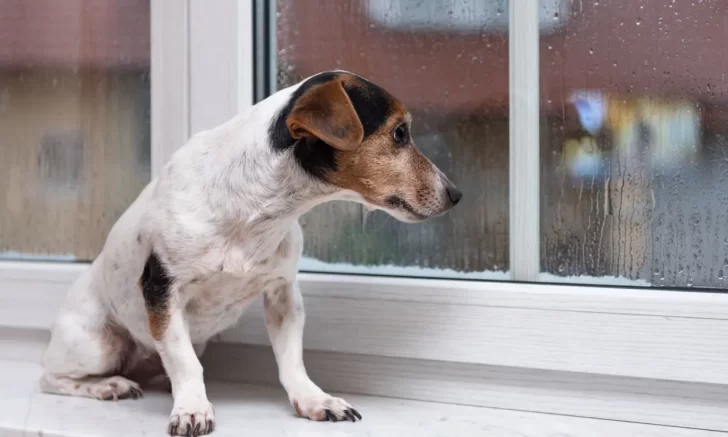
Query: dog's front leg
point(284, 318)
point(192, 414)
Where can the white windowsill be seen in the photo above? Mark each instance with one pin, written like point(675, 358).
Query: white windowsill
point(591, 352)
point(264, 411)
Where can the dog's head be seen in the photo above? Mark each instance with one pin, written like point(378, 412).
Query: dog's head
point(352, 134)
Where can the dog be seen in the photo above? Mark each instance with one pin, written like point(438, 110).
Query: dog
point(219, 227)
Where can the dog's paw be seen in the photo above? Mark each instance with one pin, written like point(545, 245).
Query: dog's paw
point(115, 388)
point(192, 421)
point(323, 407)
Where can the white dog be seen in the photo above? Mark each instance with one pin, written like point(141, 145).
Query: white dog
point(219, 227)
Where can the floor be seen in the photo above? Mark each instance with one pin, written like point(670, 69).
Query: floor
point(244, 410)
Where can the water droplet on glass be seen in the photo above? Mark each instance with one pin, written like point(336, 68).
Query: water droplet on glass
point(690, 282)
point(639, 21)
point(556, 16)
point(591, 51)
point(561, 268)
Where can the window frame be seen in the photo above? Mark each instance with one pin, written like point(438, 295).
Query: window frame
point(580, 333)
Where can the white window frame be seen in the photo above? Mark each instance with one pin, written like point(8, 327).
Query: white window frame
point(646, 355)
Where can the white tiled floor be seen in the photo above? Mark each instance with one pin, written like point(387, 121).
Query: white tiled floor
point(244, 410)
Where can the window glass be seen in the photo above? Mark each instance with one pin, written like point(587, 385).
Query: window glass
point(448, 63)
point(74, 123)
point(634, 121)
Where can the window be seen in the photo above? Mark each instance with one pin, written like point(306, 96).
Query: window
point(631, 146)
point(460, 123)
point(74, 123)
point(467, 16)
point(633, 140)
point(588, 138)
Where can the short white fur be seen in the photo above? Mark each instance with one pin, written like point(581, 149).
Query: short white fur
point(225, 212)
point(222, 218)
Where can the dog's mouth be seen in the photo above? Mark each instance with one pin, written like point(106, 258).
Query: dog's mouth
point(397, 203)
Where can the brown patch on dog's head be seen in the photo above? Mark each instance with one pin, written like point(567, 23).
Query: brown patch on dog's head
point(354, 135)
point(325, 112)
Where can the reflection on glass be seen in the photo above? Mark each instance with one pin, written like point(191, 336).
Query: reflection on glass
point(74, 123)
point(633, 140)
point(449, 65)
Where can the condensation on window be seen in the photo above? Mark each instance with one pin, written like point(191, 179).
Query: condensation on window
point(634, 128)
point(74, 123)
point(454, 80)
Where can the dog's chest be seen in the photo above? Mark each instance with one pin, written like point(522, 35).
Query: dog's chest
point(217, 301)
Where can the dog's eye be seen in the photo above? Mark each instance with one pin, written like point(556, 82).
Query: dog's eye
point(400, 134)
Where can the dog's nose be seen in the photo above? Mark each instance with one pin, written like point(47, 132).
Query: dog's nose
point(454, 195)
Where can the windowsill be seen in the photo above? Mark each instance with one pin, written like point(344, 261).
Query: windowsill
point(590, 352)
point(264, 411)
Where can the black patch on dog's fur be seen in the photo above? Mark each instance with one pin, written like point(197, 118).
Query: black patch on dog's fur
point(155, 283)
point(315, 156)
point(371, 103)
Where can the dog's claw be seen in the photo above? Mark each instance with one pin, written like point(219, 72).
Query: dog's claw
point(325, 408)
point(352, 414)
point(192, 422)
point(133, 393)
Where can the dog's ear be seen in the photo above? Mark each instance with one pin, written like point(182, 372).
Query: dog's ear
point(326, 112)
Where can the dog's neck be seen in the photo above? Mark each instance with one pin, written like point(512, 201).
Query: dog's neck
point(251, 189)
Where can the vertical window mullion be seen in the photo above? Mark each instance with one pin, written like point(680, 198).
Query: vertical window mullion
point(524, 174)
point(169, 79)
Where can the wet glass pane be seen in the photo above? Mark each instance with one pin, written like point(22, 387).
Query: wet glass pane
point(448, 63)
point(74, 123)
point(634, 112)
